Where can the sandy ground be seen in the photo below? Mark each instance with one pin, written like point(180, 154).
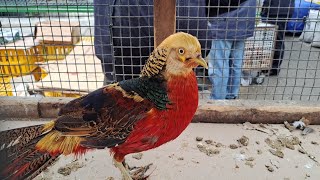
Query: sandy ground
point(187, 158)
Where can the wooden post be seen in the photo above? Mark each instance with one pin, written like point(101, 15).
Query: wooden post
point(164, 19)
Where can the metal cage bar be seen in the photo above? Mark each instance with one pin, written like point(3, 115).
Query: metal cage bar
point(71, 47)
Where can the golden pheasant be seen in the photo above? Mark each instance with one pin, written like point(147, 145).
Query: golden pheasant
point(128, 117)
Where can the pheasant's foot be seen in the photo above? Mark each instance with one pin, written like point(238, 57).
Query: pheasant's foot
point(138, 173)
point(125, 173)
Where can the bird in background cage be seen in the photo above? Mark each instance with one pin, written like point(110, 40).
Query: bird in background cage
point(128, 117)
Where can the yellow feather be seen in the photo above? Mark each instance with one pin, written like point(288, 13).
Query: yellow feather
point(162, 55)
point(176, 40)
point(55, 142)
point(135, 96)
point(48, 126)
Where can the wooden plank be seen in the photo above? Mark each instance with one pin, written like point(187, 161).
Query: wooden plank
point(164, 19)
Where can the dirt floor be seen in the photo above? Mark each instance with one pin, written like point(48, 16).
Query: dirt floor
point(207, 151)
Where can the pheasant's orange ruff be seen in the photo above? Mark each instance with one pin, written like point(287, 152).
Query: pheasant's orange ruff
point(161, 126)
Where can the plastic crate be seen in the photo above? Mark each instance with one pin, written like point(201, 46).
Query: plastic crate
point(19, 58)
point(9, 85)
point(55, 52)
point(57, 38)
point(5, 86)
point(87, 38)
point(259, 49)
point(61, 94)
point(59, 52)
point(39, 74)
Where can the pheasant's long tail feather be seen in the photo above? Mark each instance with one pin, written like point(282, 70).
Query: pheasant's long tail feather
point(20, 159)
point(28, 166)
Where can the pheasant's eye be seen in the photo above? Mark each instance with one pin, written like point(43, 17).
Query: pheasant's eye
point(181, 51)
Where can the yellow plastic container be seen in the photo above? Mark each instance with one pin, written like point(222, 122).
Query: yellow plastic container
point(61, 94)
point(87, 38)
point(56, 52)
point(5, 86)
point(19, 58)
point(39, 74)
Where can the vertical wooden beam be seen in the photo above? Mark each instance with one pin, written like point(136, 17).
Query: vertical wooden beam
point(164, 19)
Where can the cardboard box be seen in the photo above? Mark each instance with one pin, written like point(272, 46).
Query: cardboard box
point(58, 32)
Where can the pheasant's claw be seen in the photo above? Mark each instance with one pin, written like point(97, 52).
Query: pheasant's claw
point(125, 174)
point(138, 173)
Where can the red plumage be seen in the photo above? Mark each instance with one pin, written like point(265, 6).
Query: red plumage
point(160, 126)
point(129, 117)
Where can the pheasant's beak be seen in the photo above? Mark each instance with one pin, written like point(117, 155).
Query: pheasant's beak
point(201, 62)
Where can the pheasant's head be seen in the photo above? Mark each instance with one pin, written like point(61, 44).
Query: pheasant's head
point(178, 54)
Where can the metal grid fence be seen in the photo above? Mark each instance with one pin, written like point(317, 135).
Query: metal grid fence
point(67, 48)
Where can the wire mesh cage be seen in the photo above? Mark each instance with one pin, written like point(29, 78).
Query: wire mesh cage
point(259, 49)
point(67, 48)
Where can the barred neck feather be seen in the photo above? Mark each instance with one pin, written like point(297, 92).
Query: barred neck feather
point(155, 63)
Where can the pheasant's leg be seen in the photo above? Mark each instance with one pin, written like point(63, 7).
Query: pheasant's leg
point(137, 173)
point(123, 170)
point(126, 165)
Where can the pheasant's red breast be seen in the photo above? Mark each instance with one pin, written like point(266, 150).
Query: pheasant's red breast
point(161, 126)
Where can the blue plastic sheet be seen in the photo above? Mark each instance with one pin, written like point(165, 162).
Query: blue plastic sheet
point(301, 10)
